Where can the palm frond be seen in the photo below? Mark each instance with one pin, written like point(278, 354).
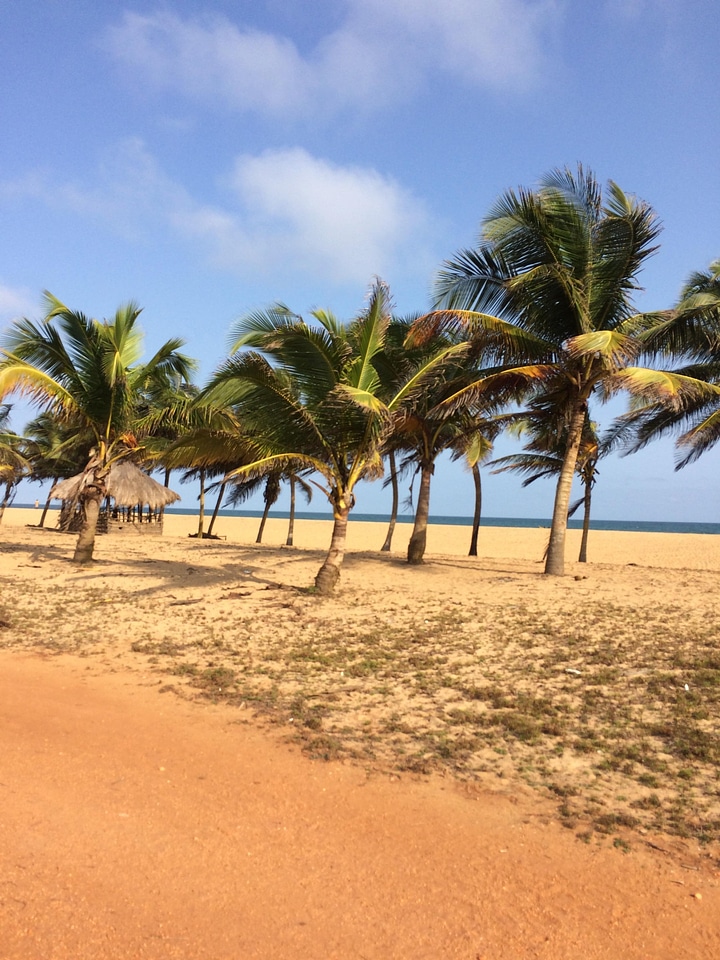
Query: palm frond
point(663, 387)
point(534, 466)
point(260, 329)
point(369, 332)
point(615, 349)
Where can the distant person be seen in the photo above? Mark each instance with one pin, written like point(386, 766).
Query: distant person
point(37, 504)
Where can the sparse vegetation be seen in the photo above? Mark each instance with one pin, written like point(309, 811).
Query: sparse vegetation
point(612, 709)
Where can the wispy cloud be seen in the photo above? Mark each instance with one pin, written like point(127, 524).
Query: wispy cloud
point(210, 59)
point(283, 213)
point(291, 213)
point(384, 50)
point(490, 43)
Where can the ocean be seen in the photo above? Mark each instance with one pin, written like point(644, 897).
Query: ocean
point(642, 526)
point(646, 526)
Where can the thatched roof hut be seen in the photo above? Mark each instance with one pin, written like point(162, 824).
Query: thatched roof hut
point(126, 484)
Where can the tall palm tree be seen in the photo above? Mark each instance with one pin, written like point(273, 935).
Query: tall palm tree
point(392, 482)
point(544, 458)
point(548, 291)
point(88, 373)
point(242, 490)
point(423, 425)
point(55, 450)
point(692, 334)
point(12, 460)
point(166, 413)
point(310, 399)
point(474, 449)
point(13, 464)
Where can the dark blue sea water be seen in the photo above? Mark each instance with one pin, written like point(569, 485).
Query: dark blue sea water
point(646, 526)
point(639, 525)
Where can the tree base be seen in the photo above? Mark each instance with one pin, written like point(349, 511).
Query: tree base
point(326, 579)
point(416, 550)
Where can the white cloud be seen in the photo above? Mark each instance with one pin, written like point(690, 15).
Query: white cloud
point(284, 212)
point(491, 43)
point(382, 52)
point(295, 213)
point(211, 59)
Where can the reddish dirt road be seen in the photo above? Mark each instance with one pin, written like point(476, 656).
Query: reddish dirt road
point(136, 825)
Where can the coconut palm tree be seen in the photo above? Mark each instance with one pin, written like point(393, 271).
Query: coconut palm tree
point(544, 458)
point(474, 449)
point(692, 334)
point(310, 398)
point(13, 464)
point(423, 425)
point(548, 292)
point(88, 373)
point(56, 451)
point(431, 429)
point(166, 413)
point(270, 485)
point(392, 482)
point(12, 461)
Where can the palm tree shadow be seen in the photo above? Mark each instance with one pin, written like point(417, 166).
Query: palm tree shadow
point(206, 567)
point(478, 565)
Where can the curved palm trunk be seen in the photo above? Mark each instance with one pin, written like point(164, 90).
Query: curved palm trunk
point(586, 522)
point(7, 498)
point(218, 502)
point(91, 500)
point(91, 494)
point(291, 521)
point(329, 573)
point(395, 501)
point(555, 558)
point(271, 494)
point(263, 521)
point(478, 510)
point(47, 506)
point(166, 483)
point(201, 515)
point(418, 540)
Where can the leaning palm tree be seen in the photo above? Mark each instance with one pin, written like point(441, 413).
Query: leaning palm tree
point(543, 458)
point(270, 486)
point(423, 425)
point(692, 335)
point(88, 373)
point(310, 399)
point(12, 459)
point(392, 482)
point(13, 463)
point(548, 292)
point(56, 451)
point(474, 448)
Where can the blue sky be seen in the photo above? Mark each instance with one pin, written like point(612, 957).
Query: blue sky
point(206, 159)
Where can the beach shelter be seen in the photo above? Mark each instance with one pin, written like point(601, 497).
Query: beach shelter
point(135, 502)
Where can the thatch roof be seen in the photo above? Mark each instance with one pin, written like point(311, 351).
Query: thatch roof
point(126, 484)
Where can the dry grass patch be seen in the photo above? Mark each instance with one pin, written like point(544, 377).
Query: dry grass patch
point(610, 706)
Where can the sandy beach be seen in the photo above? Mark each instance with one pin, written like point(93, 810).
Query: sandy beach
point(202, 759)
point(672, 551)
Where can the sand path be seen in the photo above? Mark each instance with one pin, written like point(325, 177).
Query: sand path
point(136, 825)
